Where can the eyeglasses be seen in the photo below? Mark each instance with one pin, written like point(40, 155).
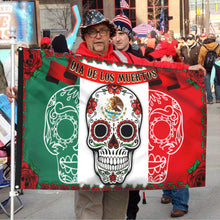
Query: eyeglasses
point(93, 32)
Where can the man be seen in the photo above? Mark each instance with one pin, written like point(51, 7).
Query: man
point(190, 51)
point(121, 41)
point(209, 44)
point(123, 36)
point(203, 36)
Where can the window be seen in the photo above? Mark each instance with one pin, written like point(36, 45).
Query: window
point(92, 4)
point(130, 13)
point(154, 12)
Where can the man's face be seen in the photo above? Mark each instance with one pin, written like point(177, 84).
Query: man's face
point(97, 39)
point(190, 41)
point(121, 41)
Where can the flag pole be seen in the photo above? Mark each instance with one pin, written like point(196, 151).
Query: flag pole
point(12, 181)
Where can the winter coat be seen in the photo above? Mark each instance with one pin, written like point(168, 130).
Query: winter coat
point(215, 73)
point(135, 51)
point(190, 54)
point(203, 51)
point(111, 55)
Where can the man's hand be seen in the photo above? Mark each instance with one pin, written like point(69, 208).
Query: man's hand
point(198, 67)
point(11, 95)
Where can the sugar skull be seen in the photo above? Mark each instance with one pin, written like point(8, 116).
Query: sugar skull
point(61, 132)
point(165, 133)
point(114, 116)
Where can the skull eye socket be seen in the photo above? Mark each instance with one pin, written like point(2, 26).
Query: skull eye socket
point(100, 130)
point(127, 131)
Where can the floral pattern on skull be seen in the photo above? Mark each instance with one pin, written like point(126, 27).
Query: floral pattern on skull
point(61, 132)
point(114, 116)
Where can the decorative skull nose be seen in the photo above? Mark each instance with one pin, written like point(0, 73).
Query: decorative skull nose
point(113, 142)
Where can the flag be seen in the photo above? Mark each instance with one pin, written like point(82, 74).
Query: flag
point(162, 21)
point(212, 30)
point(103, 131)
point(124, 4)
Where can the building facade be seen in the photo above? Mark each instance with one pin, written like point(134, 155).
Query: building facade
point(140, 11)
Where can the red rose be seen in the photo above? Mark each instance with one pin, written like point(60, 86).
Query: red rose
point(32, 61)
point(91, 105)
point(29, 179)
point(75, 187)
point(137, 107)
point(117, 188)
point(197, 177)
point(85, 188)
point(139, 188)
point(106, 188)
point(44, 186)
point(64, 187)
point(48, 53)
point(129, 188)
point(114, 89)
point(53, 186)
point(95, 188)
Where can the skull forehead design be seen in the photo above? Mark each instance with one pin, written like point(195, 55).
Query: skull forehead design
point(61, 132)
point(114, 116)
point(165, 133)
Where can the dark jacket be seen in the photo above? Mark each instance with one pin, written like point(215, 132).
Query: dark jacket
point(135, 50)
point(190, 54)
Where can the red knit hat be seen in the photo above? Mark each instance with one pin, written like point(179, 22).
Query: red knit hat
point(162, 49)
point(45, 40)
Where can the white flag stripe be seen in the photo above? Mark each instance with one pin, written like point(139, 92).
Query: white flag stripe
point(86, 170)
point(212, 30)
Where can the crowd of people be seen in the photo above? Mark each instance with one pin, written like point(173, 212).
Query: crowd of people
point(192, 50)
point(114, 40)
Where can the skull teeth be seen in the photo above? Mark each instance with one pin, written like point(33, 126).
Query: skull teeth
point(156, 164)
point(69, 164)
point(113, 163)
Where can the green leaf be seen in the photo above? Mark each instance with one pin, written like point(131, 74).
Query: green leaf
point(193, 83)
point(194, 166)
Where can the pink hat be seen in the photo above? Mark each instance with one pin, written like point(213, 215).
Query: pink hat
point(162, 49)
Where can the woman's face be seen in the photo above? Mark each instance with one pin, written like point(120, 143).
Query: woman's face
point(167, 58)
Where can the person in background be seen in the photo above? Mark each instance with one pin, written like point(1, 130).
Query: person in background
point(172, 39)
point(3, 81)
point(203, 36)
point(181, 43)
point(165, 51)
point(121, 42)
point(59, 44)
point(190, 51)
point(151, 44)
point(215, 78)
point(209, 44)
point(45, 43)
point(7, 65)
